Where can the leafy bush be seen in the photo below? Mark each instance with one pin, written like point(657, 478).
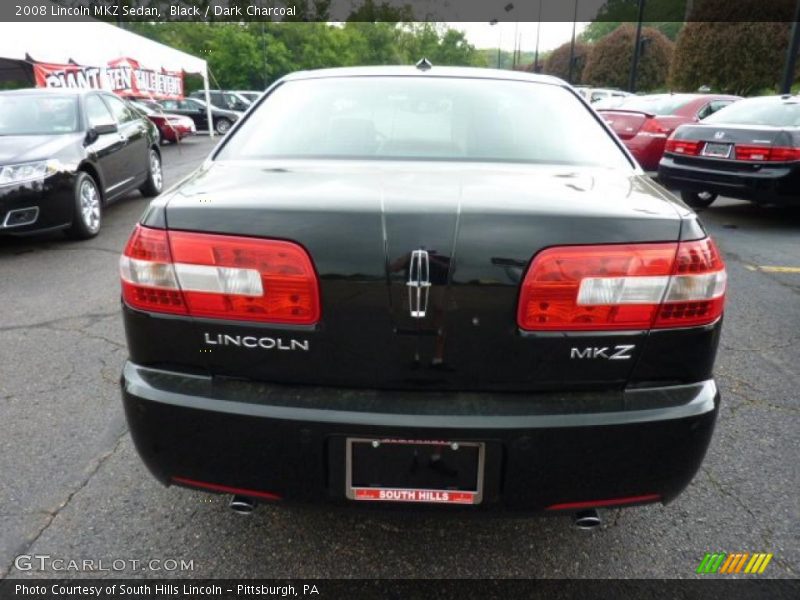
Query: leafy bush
point(558, 62)
point(609, 62)
point(737, 58)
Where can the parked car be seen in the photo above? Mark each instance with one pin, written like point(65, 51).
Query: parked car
point(223, 99)
point(407, 286)
point(750, 150)
point(609, 102)
point(196, 110)
point(171, 128)
point(65, 154)
point(583, 91)
point(644, 122)
point(596, 95)
point(250, 95)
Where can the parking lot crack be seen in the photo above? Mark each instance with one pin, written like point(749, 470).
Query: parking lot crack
point(94, 466)
point(716, 484)
point(92, 317)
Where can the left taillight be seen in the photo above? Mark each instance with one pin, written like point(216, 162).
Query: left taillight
point(623, 287)
point(685, 147)
point(657, 128)
point(219, 277)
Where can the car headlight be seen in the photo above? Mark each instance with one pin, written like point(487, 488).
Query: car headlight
point(31, 171)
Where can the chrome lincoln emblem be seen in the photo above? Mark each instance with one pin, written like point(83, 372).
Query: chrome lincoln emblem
point(719, 135)
point(419, 283)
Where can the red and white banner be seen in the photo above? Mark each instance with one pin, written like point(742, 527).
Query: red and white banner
point(122, 76)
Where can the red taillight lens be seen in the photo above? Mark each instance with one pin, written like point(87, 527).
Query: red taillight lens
point(148, 276)
point(686, 147)
point(222, 277)
point(755, 153)
point(781, 154)
point(696, 291)
point(654, 126)
point(631, 286)
point(767, 153)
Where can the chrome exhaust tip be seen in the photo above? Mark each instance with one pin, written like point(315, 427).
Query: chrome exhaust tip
point(242, 505)
point(587, 519)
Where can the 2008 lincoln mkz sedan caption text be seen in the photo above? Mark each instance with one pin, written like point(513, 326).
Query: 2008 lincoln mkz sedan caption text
point(405, 286)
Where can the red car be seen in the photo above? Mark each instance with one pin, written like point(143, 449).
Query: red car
point(171, 128)
point(643, 123)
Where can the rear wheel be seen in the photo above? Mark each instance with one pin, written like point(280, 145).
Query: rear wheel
point(155, 177)
point(698, 199)
point(222, 126)
point(88, 213)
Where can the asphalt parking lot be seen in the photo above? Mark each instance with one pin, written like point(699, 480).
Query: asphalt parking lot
point(74, 488)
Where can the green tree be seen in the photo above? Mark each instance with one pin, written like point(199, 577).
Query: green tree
point(609, 61)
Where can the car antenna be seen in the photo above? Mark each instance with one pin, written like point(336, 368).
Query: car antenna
point(424, 64)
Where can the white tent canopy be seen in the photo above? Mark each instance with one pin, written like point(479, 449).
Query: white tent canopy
point(90, 43)
point(93, 43)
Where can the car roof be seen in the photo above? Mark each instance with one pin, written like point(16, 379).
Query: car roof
point(53, 91)
point(406, 71)
point(783, 99)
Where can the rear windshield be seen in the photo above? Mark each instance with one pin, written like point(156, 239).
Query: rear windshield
point(39, 114)
point(143, 107)
point(759, 111)
point(656, 105)
point(418, 118)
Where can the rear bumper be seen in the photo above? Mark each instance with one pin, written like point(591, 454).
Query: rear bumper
point(763, 184)
point(289, 441)
point(647, 149)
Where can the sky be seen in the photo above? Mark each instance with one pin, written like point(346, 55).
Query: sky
point(484, 35)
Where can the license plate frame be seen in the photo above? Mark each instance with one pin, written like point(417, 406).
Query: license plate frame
point(415, 495)
point(717, 150)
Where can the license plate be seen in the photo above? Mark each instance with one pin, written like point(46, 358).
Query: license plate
point(416, 471)
point(717, 150)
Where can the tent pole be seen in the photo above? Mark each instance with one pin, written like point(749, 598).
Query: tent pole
point(208, 104)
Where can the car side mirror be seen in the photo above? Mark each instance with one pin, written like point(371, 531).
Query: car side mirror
point(105, 128)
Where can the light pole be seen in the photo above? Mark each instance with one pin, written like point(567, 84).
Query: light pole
point(572, 44)
point(538, 30)
point(637, 48)
point(508, 8)
point(791, 53)
point(493, 22)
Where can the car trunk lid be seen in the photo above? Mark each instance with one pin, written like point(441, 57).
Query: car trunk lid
point(420, 266)
point(626, 124)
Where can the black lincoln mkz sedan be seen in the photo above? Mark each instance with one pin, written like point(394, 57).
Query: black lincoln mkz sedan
point(412, 287)
point(64, 154)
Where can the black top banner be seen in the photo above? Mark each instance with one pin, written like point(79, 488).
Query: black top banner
point(400, 10)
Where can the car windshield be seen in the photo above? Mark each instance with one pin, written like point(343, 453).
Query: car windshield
point(418, 118)
point(38, 114)
point(665, 104)
point(760, 111)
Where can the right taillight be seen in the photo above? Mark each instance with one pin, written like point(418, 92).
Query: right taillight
point(219, 277)
point(623, 287)
point(758, 153)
